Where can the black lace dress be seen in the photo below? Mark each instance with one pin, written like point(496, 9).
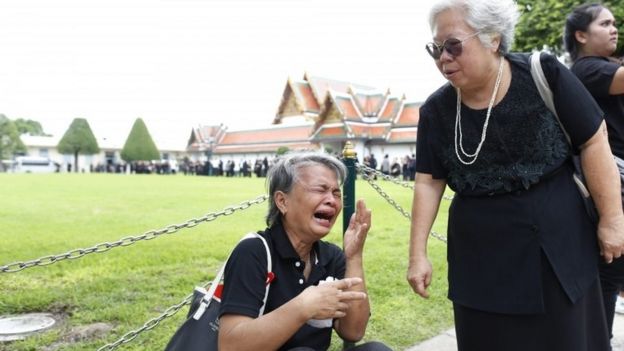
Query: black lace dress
point(519, 241)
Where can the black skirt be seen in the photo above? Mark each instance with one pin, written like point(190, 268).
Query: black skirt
point(564, 326)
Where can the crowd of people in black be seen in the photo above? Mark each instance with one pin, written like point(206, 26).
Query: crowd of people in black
point(404, 168)
point(137, 167)
point(230, 168)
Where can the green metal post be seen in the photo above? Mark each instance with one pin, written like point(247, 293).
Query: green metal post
point(348, 188)
point(348, 196)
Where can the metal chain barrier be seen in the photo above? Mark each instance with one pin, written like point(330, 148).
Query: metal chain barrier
point(368, 176)
point(367, 172)
point(150, 324)
point(127, 241)
point(365, 169)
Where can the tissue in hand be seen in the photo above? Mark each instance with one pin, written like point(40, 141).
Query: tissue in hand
point(322, 323)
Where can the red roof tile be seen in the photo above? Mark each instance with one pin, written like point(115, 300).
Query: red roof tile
point(369, 105)
point(390, 110)
point(347, 107)
point(331, 132)
point(268, 147)
point(307, 99)
point(409, 115)
point(281, 134)
point(398, 135)
point(374, 104)
point(320, 86)
point(370, 131)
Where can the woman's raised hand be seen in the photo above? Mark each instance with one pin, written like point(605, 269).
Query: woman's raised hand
point(355, 236)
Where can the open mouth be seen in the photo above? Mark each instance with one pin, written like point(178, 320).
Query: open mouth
point(324, 217)
point(449, 73)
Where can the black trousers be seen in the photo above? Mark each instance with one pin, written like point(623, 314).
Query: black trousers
point(612, 282)
point(564, 325)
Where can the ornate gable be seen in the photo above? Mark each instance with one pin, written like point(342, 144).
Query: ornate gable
point(306, 97)
point(330, 113)
point(290, 106)
point(297, 101)
point(322, 86)
point(205, 138)
point(368, 103)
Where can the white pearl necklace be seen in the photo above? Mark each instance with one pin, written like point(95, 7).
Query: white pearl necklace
point(458, 133)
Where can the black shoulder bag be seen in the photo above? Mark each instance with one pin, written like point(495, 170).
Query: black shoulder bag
point(544, 90)
point(200, 331)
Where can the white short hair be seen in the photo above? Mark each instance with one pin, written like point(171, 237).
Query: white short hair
point(488, 17)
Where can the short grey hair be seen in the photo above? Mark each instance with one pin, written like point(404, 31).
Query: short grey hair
point(285, 173)
point(488, 17)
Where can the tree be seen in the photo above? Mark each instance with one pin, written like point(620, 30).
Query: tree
point(28, 126)
point(10, 142)
point(282, 150)
point(139, 145)
point(78, 139)
point(542, 22)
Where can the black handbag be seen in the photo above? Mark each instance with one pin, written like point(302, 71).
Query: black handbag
point(544, 90)
point(200, 331)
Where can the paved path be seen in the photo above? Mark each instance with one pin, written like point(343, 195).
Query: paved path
point(446, 340)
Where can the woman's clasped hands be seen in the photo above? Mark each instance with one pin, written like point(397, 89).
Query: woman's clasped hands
point(329, 300)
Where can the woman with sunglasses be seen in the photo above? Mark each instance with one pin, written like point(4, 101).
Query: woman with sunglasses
point(590, 36)
point(522, 251)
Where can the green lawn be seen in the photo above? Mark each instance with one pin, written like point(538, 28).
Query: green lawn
point(126, 286)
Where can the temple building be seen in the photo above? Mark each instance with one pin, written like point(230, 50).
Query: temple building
point(319, 114)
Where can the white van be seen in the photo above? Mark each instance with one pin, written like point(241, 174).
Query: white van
point(7, 166)
point(31, 164)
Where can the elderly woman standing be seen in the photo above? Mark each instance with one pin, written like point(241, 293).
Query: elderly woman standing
point(590, 36)
point(304, 202)
point(522, 252)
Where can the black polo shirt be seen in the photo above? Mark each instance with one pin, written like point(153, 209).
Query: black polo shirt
point(245, 275)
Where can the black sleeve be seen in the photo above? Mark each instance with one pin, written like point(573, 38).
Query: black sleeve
point(426, 160)
point(340, 263)
point(578, 111)
point(244, 279)
point(596, 74)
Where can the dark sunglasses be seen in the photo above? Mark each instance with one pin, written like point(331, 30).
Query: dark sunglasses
point(452, 45)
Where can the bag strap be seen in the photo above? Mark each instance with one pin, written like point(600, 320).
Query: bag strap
point(269, 269)
point(217, 280)
point(544, 89)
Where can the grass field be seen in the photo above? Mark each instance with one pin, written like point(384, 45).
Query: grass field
point(126, 286)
